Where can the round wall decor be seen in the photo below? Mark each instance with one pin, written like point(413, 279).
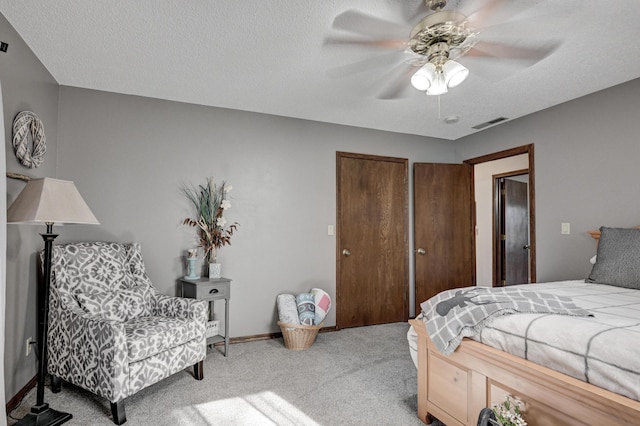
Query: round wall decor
point(25, 123)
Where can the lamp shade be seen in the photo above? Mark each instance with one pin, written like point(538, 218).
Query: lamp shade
point(439, 85)
point(455, 73)
point(49, 200)
point(423, 78)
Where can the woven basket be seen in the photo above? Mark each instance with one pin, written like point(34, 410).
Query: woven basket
point(298, 337)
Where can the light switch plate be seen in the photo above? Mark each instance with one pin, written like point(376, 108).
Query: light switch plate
point(566, 228)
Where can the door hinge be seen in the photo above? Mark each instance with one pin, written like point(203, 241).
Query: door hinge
point(503, 237)
point(504, 283)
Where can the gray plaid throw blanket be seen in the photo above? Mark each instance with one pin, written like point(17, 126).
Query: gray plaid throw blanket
point(454, 314)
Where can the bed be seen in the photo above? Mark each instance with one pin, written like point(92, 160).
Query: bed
point(561, 380)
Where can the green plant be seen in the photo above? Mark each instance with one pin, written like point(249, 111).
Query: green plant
point(209, 202)
point(508, 413)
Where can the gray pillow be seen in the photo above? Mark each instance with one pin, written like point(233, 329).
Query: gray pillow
point(618, 259)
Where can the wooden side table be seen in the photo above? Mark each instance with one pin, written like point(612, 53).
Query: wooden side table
point(211, 289)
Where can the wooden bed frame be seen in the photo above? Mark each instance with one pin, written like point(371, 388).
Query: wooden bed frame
point(455, 388)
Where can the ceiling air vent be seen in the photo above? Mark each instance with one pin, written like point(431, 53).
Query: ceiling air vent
point(489, 123)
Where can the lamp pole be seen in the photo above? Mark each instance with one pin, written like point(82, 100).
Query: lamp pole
point(43, 312)
point(41, 413)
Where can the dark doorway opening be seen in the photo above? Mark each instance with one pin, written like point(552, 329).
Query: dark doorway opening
point(511, 228)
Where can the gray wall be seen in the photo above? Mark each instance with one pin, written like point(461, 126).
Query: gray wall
point(26, 85)
point(130, 155)
point(586, 165)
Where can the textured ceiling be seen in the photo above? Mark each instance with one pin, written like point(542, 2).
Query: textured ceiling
point(270, 56)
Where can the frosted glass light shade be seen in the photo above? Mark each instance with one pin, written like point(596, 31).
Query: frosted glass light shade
point(49, 200)
point(454, 72)
point(423, 78)
point(439, 86)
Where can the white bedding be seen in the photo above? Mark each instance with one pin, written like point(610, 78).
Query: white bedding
point(603, 350)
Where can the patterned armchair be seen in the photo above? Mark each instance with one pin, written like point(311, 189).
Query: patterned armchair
point(110, 331)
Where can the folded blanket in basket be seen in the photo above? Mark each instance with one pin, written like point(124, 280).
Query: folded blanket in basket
point(322, 302)
point(287, 309)
point(454, 314)
point(306, 308)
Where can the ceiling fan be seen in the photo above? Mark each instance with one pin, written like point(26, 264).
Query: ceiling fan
point(435, 43)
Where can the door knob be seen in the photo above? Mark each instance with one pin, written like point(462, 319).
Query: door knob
point(526, 247)
point(346, 252)
point(421, 251)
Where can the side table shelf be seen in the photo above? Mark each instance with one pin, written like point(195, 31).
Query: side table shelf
point(211, 290)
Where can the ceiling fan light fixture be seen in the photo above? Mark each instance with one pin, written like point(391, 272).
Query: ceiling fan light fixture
point(455, 73)
point(439, 84)
point(423, 78)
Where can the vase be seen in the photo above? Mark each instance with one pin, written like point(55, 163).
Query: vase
point(192, 275)
point(215, 270)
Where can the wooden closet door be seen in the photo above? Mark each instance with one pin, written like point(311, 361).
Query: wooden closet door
point(372, 244)
point(442, 229)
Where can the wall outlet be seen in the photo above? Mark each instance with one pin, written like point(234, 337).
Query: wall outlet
point(27, 350)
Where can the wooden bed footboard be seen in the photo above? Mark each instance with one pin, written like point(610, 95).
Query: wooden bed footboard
point(455, 388)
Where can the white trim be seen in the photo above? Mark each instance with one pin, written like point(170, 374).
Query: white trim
point(3, 252)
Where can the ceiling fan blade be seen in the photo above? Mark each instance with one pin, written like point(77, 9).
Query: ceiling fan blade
point(505, 61)
point(363, 24)
point(411, 10)
point(370, 64)
point(492, 12)
point(396, 83)
point(396, 44)
point(529, 54)
point(484, 10)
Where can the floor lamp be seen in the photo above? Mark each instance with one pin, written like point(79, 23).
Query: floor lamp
point(47, 201)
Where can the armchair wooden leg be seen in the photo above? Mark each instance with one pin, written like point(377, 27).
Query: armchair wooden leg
point(117, 411)
point(198, 370)
point(56, 384)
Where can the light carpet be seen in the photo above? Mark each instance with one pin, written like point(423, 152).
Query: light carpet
point(355, 376)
